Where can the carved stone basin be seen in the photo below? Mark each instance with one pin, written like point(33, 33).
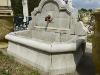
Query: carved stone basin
point(54, 41)
point(50, 41)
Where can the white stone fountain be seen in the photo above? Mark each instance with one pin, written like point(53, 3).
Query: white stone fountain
point(54, 41)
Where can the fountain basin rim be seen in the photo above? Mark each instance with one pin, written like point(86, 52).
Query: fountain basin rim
point(49, 48)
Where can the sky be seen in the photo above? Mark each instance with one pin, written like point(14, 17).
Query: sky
point(86, 4)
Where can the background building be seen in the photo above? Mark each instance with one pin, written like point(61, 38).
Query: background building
point(5, 8)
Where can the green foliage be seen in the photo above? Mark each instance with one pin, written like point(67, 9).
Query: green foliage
point(90, 10)
point(32, 4)
point(4, 72)
point(18, 9)
point(83, 10)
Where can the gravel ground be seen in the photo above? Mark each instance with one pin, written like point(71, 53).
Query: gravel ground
point(8, 66)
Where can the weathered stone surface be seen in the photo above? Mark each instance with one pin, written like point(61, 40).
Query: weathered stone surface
point(54, 41)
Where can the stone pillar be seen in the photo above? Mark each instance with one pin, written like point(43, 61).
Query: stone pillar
point(9, 3)
point(25, 9)
point(96, 41)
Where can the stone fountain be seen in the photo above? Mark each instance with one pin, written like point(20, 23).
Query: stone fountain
point(54, 42)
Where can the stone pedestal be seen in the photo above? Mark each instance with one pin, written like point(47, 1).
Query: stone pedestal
point(96, 41)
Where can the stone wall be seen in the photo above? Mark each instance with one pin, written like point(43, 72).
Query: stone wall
point(6, 26)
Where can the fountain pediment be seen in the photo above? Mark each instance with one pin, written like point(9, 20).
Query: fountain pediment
point(58, 11)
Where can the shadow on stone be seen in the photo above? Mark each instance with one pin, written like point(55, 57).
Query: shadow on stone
point(86, 65)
